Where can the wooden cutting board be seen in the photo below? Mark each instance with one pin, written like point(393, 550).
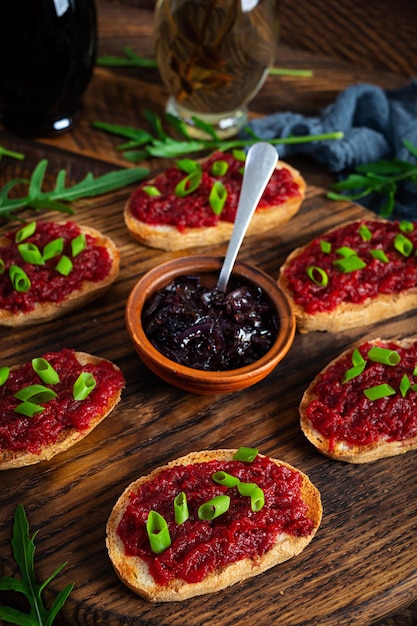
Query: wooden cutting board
point(361, 566)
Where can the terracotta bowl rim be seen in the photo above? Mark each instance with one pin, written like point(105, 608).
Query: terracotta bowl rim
point(163, 273)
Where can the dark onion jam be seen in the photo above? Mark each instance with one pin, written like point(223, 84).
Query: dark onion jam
point(203, 328)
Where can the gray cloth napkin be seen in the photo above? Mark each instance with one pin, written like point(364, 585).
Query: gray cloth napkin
point(374, 121)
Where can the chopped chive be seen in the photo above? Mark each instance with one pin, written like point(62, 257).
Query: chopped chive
point(83, 386)
point(239, 155)
point(38, 393)
point(19, 278)
point(357, 358)
point(365, 233)
point(188, 184)
point(25, 232)
point(406, 226)
point(257, 499)
point(4, 374)
point(379, 255)
point(317, 275)
point(151, 190)
point(223, 478)
point(158, 532)
point(214, 508)
point(325, 246)
point(78, 244)
point(354, 371)
point(217, 197)
point(53, 248)
point(379, 391)
point(64, 265)
point(384, 355)
point(45, 371)
point(2, 266)
point(349, 264)
point(346, 251)
point(219, 168)
point(415, 370)
point(181, 508)
point(405, 385)
point(245, 454)
point(403, 245)
point(29, 409)
point(30, 253)
point(188, 165)
point(245, 489)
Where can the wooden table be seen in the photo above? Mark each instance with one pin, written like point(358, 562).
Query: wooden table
point(362, 565)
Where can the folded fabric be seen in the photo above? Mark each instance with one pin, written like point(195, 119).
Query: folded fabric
point(374, 122)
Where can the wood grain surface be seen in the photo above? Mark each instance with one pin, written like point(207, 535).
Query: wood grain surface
point(362, 565)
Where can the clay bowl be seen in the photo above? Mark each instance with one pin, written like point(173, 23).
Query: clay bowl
point(200, 381)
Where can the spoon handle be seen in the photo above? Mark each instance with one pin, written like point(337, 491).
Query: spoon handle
point(260, 162)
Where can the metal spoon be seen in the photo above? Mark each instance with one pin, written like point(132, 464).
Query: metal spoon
point(260, 162)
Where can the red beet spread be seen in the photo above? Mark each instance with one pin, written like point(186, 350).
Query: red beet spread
point(194, 210)
point(198, 547)
point(31, 434)
point(399, 274)
point(47, 284)
point(342, 412)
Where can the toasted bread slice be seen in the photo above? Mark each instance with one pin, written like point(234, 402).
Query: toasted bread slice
point(385, 287)
point(170, 237)
point(352, 428)
point(135, 573)
point(91, 410)
point(84, 293)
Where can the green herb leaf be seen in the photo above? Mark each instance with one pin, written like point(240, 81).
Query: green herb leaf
point(131, 59)
point(11, 153)
point(23, 551)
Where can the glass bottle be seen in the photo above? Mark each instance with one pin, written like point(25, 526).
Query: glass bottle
point(213, 56)
point(47, 52)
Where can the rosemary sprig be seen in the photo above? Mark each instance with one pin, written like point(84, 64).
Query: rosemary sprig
point(131, 59)
point(60, 194)
point(157, 143)
point(382, 177)
point(23, 552)
point(11, 153)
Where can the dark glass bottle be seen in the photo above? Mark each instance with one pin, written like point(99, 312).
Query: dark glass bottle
point(47, 52)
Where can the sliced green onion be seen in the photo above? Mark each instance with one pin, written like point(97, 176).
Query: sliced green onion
point(415, 370)
point(379, 255)
point(188, 165)
point(403, 245)
point(379, 391)
point(25, 232)
point(53, 248)
point(158, 532)
point(4, 374)
point(365, 233)
point(19, 278)
point(349, 264)
point(406, 226)
point(217, 197)
point(405, 385)
point(83, 386)
point(357, 358)
point(223, 478)
point(245, 489)
point(354, 371)
point(346, 252)
point(214, 508)
point(45, 371)
point(317, 275)
point(28, 408)
point(31, 253)
point(384, 355)
point(64, 265)
point(181, 508)
point(151, 190)
point(246, 455)
point(188, 184)
point(2, 266)
point(78, 244)
point(219, 168)
point(239, 155)
point(38, 393)
point(325, 246)
point(257, 499)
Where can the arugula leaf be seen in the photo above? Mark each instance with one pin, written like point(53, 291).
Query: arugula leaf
point(381, 177)
point(55, 198)
point(158, 143)
point(24, 552)
point(11, 153)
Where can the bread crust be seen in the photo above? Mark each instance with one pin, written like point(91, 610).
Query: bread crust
point(45, 311)
point(341, 451)
point(346, 315)
point(166, 237)
point(12, 459)
point(134, 573)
